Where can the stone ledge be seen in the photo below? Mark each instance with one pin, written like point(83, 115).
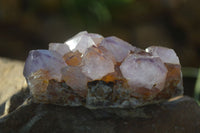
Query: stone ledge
point(12, 80)
point(181, 115)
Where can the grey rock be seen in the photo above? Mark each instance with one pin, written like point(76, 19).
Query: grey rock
point(180, 115)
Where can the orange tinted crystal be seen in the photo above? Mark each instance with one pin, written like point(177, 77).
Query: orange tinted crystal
point(73, 58)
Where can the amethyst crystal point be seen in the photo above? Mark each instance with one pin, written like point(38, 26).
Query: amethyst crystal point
point(174, 74)
point(82, 41)
point(45, 60)
point(96, 64)
point(146, 75)
point(166, 55)
point(60, 48)
point(119, 48)
point(96, 38)
point(94, 71)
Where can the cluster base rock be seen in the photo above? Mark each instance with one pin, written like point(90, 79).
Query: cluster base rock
point(176, 116)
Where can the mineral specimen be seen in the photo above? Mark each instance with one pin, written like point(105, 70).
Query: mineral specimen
point(94, 71)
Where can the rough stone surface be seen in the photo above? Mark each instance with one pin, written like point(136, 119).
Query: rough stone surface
point(175, 116)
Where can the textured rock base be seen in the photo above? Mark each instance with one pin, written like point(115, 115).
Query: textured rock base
point(181, 115)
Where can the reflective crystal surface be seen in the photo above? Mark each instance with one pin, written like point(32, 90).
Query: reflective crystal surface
point(119, 48)
point(166, 55)
point(94, 71)
point(96, 64)
point(82, 41)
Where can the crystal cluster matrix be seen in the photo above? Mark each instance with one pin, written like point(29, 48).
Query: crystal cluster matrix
point(94, 71)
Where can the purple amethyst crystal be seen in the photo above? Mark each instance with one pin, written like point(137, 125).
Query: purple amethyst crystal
point(45, 60)
point(94, 71)
point(146, 73)
point(60, 48)
point(119, 48)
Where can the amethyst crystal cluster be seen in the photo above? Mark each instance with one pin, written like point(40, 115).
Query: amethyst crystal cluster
point(94, 71)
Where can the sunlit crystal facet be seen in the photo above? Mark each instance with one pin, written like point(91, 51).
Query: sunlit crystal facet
point(82, 41)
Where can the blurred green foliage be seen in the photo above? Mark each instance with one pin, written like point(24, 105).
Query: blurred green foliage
point(90, 10)
point(87, 10)
point(197, 88)
point(193, 73)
